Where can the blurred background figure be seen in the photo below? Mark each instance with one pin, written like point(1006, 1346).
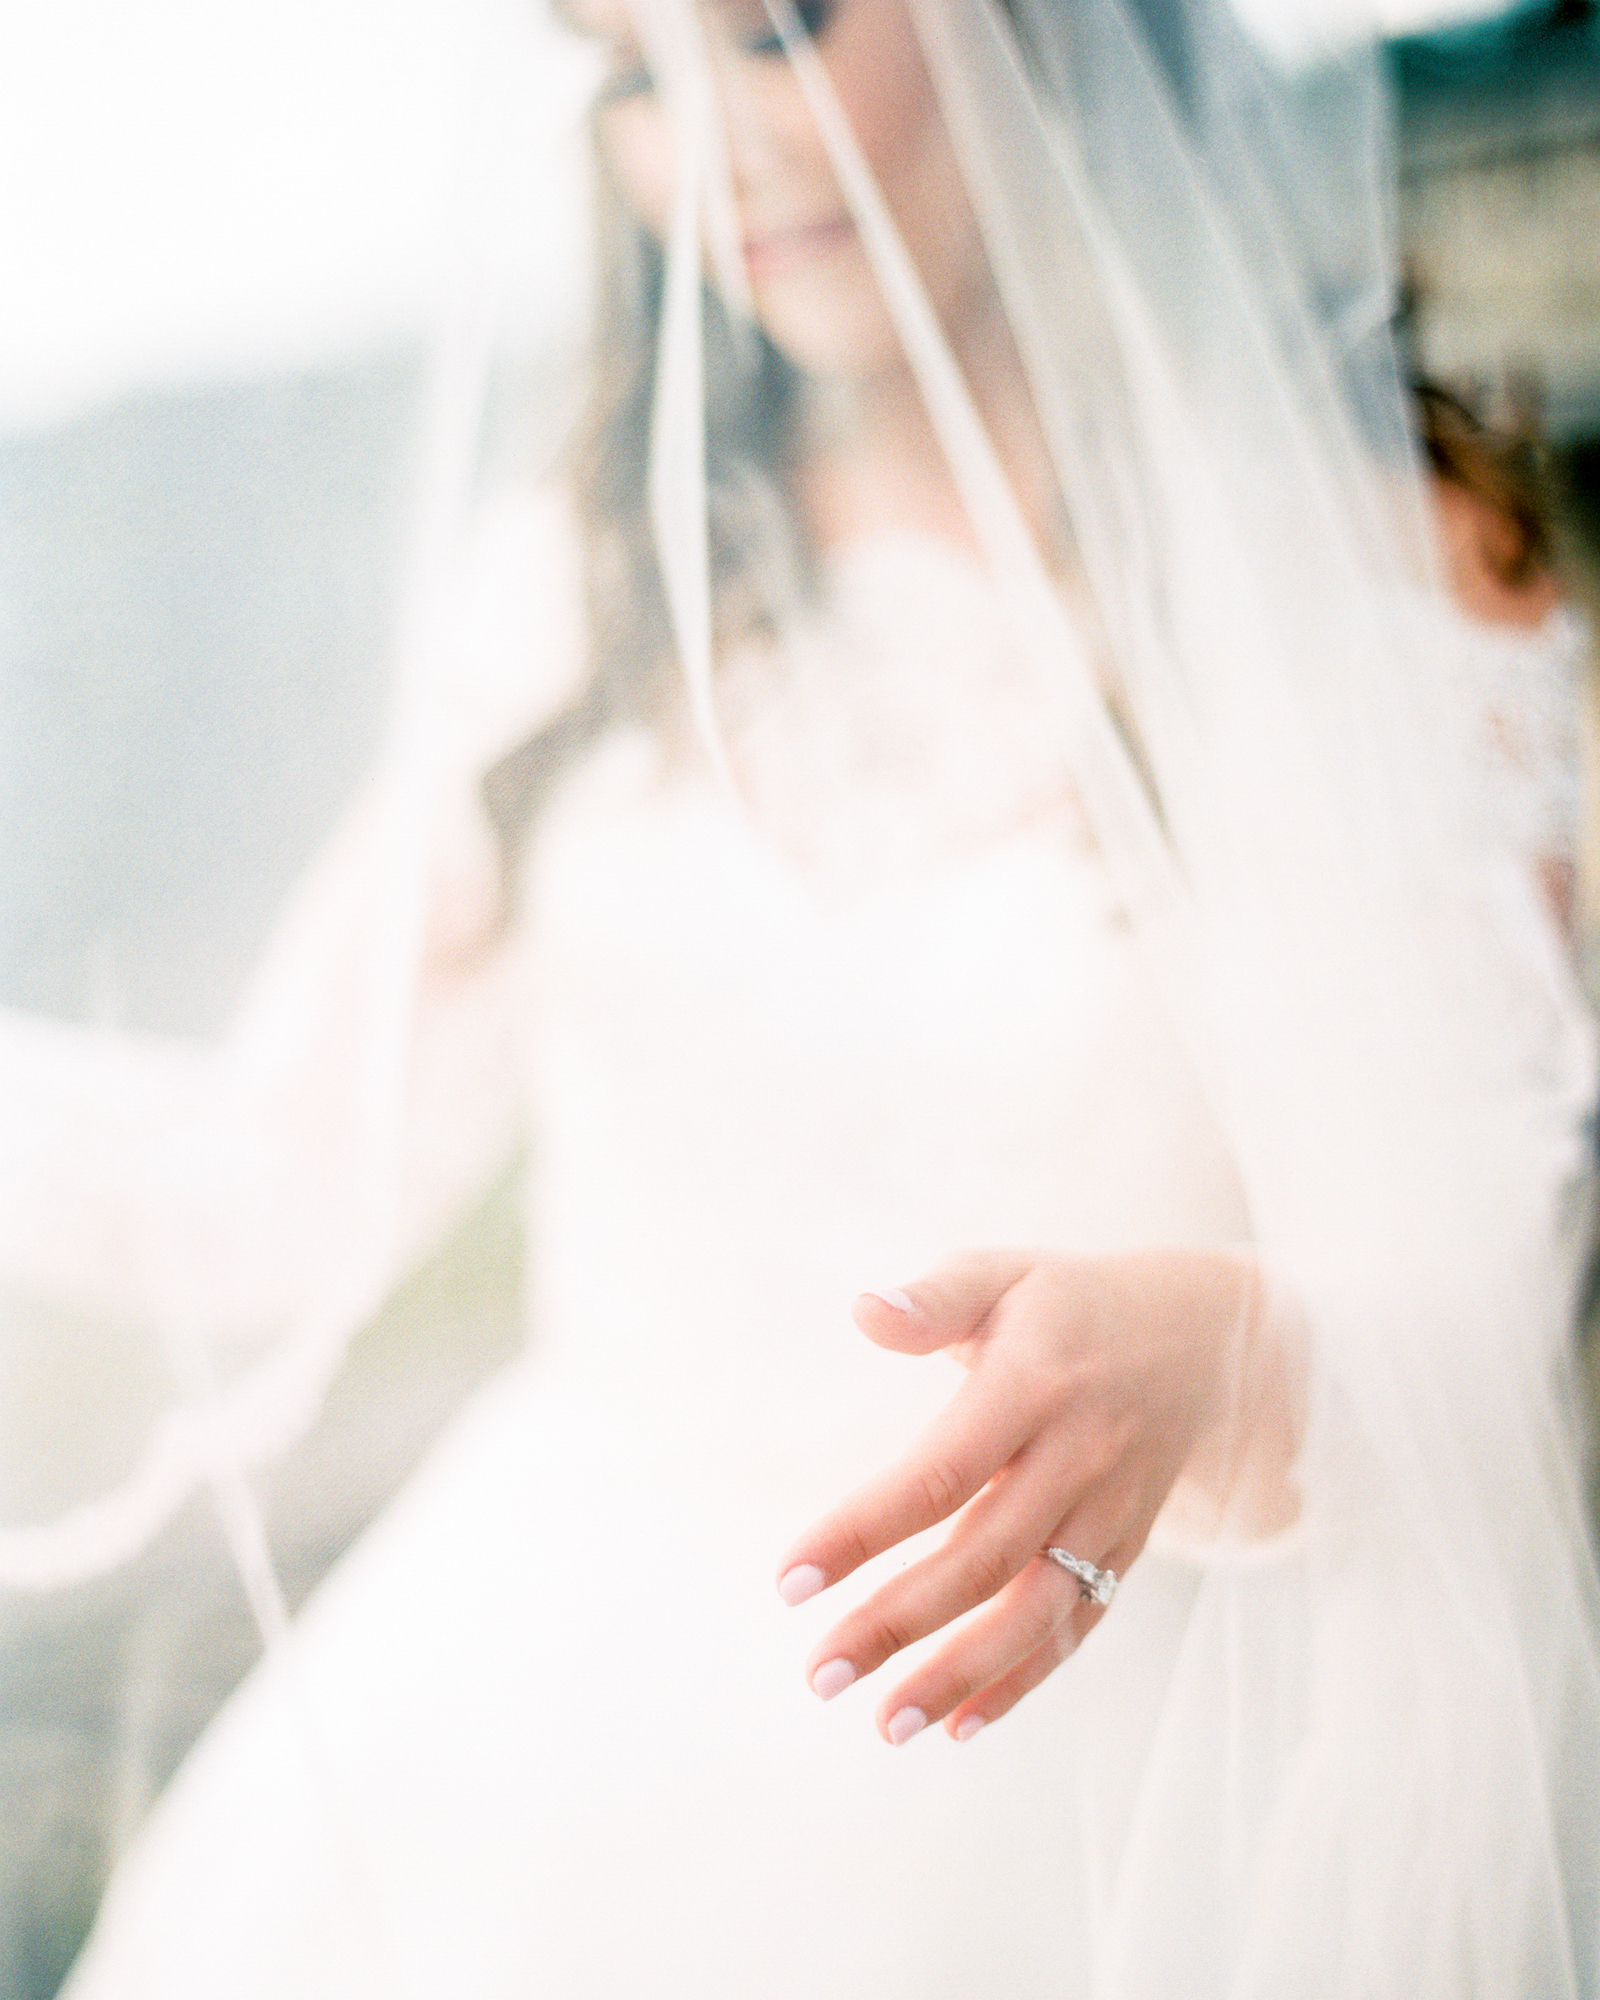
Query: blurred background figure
point(1500, 216)
point(1499, 121)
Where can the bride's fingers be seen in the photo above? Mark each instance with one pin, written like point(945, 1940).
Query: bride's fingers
point(997, 1537)
point(1028, 1617)
point(998, 1659)
point(945, 1307)
point(979, 1430)
point(1003, 1695)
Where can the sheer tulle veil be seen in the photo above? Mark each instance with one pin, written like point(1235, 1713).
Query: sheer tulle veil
point(1194, 248)
point(1250, 687)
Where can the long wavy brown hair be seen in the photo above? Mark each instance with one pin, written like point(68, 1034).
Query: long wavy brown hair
point(759, 562)
point(1506, 470)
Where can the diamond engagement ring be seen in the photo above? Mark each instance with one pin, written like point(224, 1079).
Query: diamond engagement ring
point(1100, 1584)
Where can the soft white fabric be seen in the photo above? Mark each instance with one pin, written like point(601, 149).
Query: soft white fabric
point(546, 1732)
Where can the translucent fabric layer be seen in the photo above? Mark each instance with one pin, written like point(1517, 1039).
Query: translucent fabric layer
point(1100, 859)
point(1193, 258)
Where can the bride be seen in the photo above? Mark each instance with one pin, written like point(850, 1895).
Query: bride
point(1060, 838)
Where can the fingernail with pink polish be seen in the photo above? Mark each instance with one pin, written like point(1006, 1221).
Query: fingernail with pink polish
point(904, 1724)
point(897, 1300)
point(832, 1678)
point(799, 1583)
point(968, 1727)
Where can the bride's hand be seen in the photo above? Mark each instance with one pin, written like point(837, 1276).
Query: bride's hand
point(1093, 1383)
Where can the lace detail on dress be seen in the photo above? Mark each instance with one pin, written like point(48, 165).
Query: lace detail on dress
point(1522, 690)
point(894, 727)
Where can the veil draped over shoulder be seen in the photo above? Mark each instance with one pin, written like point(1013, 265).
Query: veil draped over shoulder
point(1241, 674)
point(1194, 247)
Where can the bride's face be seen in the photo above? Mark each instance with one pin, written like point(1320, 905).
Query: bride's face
point(814, 292)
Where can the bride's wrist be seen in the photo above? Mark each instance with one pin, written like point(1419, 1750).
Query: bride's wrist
point(1240, 1481)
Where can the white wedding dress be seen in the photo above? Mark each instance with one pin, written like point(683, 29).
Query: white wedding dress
point(545, 1732)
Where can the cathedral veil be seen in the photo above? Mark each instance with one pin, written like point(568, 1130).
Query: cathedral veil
point(210, 1155)
point(1194, 252)
point(1237, 664)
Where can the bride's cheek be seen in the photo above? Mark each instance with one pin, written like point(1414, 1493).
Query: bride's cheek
point(637, 146)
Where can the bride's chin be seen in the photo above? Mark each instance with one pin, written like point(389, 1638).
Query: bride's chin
point(835, 329)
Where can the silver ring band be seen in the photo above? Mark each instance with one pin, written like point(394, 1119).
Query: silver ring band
point(1100, 1584)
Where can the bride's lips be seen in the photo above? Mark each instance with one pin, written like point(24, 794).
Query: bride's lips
point(775, 250)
